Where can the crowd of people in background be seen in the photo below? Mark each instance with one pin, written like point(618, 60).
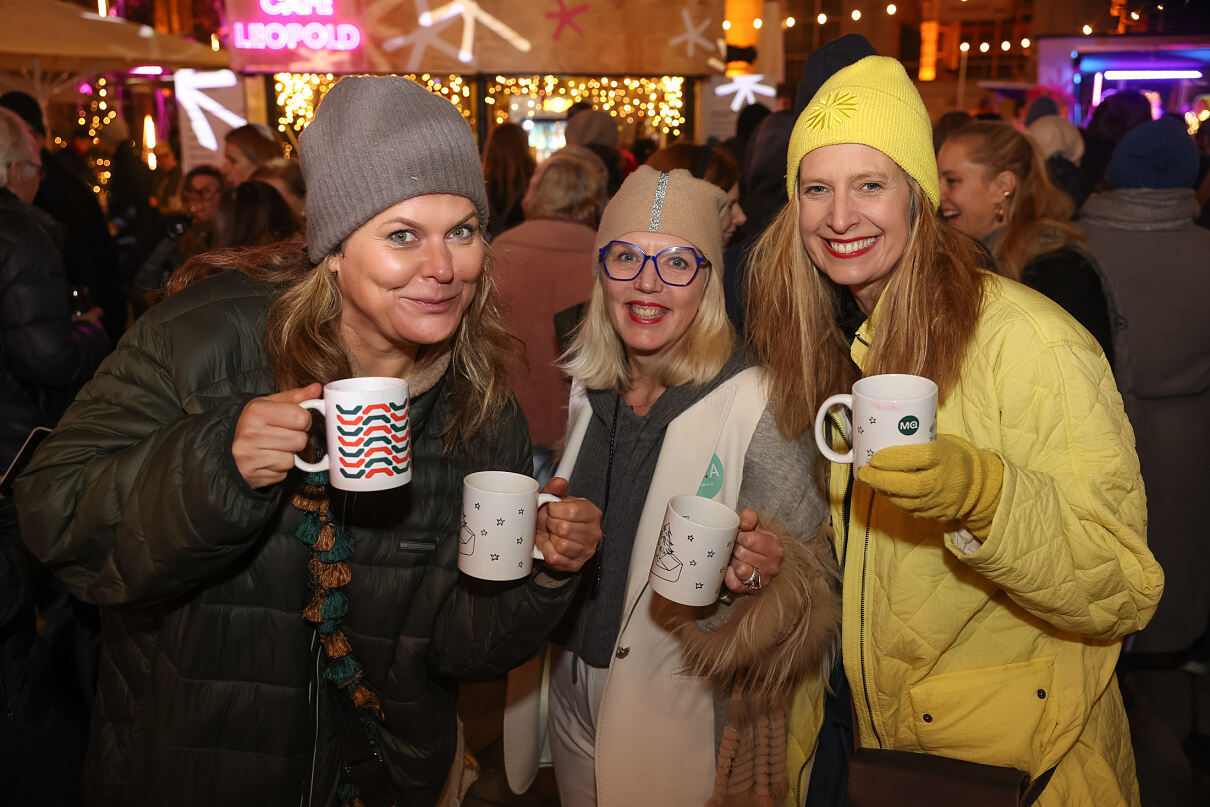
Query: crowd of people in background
point(1108, 221)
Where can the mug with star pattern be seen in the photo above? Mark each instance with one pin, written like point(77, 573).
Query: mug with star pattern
point(499, 517)
point(887, 410)
point(693, 550)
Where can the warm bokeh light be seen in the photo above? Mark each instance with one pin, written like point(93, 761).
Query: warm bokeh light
point(1134, 15)
point(822, 18)
point(984, 47)
point(1087, 29)
point(726, 25)
point(789, 22)
point(964, 47)
point(1025, 42)
point(856, 15)
point(891, 9)
point(1005, 45)
point(757, 23)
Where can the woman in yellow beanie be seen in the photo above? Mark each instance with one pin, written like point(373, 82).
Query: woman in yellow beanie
point(989, 576)
point(651, 702)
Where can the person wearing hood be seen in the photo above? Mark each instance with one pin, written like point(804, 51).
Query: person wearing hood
point(598, 132)
point(1062, 148)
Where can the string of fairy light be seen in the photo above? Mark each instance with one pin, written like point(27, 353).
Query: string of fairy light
point(96, 114)
point(659, 101)
point(298, 95)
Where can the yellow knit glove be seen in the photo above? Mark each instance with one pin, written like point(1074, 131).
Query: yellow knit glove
point(949, 480)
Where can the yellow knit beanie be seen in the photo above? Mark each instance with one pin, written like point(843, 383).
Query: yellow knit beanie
point(874, 103)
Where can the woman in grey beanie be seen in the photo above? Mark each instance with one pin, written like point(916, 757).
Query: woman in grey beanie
point(265, 641)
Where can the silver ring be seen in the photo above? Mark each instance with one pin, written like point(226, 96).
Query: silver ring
point(753, 583)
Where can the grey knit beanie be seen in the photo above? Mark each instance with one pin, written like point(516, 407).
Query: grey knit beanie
point(374, 142)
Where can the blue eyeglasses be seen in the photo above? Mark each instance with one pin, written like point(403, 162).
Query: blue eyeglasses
point(676, 266)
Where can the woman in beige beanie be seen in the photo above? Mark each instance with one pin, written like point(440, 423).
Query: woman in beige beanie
point(991, 574)
point(268, 639)
point(651, 702)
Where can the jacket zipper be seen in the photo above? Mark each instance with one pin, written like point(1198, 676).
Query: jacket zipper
point(865, 554)
point(846, 507)
point(313, 687)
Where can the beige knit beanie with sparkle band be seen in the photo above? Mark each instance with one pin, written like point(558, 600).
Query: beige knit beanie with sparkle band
point(374, 142)
point(674, 203)
point(874, 103)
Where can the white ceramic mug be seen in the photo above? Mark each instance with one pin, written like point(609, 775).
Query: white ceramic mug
point(888, 410)
point(368, 436)
point(499, 517)
point(694, 549)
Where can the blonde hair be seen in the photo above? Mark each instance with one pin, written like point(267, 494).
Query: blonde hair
point(1037, 216)
point(566, 187)
point(934, 294)
point(305, 344)
point(597, 356)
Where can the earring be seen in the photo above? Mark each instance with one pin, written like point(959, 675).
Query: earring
point(1000, 208)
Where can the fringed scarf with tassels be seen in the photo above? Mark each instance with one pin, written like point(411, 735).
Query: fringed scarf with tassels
point(331, 546)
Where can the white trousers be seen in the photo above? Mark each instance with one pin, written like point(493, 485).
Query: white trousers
point(572, 724)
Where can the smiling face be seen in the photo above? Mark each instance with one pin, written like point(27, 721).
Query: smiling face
point(648, 314)
point(968, 195)
point(854, 209)
point(407, 276)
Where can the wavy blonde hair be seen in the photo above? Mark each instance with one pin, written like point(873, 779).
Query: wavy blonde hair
point(934, 295)
point(306, 346)
point(598, 358)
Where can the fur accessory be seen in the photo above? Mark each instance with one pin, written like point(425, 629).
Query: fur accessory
point(765, 646)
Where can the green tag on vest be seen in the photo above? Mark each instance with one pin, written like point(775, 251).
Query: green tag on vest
point(712, 482)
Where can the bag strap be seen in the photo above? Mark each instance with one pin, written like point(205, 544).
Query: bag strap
point(362, 763)
point(1036, 787)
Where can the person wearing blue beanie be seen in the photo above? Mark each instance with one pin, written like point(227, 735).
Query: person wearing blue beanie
point(1154, 260)
point(1158, 154)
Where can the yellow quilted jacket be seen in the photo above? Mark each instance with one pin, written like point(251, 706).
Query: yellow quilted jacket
point(1003, 653)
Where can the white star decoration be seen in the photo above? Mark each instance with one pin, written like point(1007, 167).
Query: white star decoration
point(471, 15)
point(693, 34)
point(745, 89)
point(425, 36)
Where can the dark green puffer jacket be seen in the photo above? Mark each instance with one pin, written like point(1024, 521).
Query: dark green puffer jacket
point(208, 671)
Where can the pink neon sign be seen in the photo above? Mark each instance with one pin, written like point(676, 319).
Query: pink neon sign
point(281, 35)
point(315, 35)
point(296, 35)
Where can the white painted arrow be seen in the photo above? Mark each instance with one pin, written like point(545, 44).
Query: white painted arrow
point(189, 94)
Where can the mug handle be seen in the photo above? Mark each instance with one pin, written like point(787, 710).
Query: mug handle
point(845, 400)
point(322, 465)
point(544, 498)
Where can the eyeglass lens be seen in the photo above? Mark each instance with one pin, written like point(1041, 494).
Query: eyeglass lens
point(676, 266)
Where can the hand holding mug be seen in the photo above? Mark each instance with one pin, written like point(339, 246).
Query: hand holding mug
point(756, 550)
point(887, 410)
point(269, 432)
point(568, 531)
